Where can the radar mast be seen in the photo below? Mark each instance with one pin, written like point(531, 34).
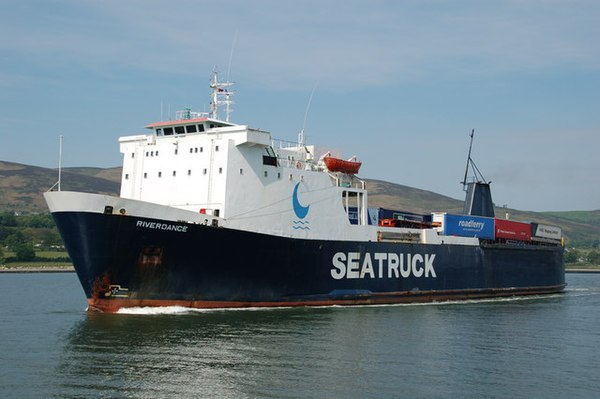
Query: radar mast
point(220, 96)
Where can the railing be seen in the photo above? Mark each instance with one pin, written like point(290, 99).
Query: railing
point(189, 114)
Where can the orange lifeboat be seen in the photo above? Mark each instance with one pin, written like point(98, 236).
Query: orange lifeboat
point(341, 165)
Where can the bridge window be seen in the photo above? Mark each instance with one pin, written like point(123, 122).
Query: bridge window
point(159, 132)
point(190, 128)
point(179, 129)
point(200, 128)
point(168, 131)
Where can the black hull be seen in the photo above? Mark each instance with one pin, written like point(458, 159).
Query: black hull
point(126, 261)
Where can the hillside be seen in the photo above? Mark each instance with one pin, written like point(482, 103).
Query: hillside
point(21, 188)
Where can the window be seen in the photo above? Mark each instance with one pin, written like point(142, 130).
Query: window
point(151, 153)
point(216, 148)
point(204, 171)
point(191, 150)
point(266, 174)
point(126, 176)
point(241, 171)
point(190, 128)
point(147, 153)
point(176, 150)
point(200, 128)
point(179, 129)
point(159, 174)
point(220, 170)
point(145, 175)
point(201, 149)
point(269, 160)
point(279, 175)
point(168, 131)
point(189, 172)
point(174, 173)
point(196, 150)
point(159, 132)
point(133, 155)
point(156, 153)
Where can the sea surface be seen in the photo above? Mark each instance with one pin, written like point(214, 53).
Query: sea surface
point(539, 347)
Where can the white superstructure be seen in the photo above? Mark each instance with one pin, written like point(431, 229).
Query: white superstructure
point(244, 177)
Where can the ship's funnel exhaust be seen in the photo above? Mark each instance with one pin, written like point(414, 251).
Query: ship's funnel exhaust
point(478, 201)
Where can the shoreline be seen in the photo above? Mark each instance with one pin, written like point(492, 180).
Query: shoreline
point(586, 270)
point(37, 269)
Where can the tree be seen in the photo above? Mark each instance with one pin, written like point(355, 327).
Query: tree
point(8, 219)
point(50, 237)
point(15, 239)
point(24, 252)
point(572, 256)
point(594, 257)
point(1, 256)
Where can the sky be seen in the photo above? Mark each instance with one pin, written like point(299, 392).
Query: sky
point(398, 83)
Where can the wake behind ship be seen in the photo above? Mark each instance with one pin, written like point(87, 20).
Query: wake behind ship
point(214, 214)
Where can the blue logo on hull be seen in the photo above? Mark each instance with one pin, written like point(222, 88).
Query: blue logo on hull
point(299, 210)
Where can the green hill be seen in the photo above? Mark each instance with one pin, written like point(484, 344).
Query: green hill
point(21, 188)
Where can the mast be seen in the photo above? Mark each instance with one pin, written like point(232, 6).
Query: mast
point(220, 96)
point(478, 198)
point(477, 175)
point(464, 182)
point(60, 146)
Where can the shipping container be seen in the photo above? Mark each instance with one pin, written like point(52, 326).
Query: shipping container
point(546, 231)
point(512, 230)
point(403, 215)
point(465, 225)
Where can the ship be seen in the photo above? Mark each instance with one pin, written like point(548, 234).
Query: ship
point(215, 214)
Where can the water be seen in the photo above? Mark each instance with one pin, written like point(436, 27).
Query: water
point(546, 347)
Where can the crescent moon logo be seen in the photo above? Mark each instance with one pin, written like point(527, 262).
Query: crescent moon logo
point(299, 210)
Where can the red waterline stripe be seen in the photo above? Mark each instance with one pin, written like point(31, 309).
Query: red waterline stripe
point(113, 305)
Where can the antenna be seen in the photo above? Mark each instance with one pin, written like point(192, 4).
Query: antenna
point(301, 134)
point(231, 53)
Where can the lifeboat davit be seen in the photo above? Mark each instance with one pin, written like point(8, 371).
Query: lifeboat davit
point(350, 167)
